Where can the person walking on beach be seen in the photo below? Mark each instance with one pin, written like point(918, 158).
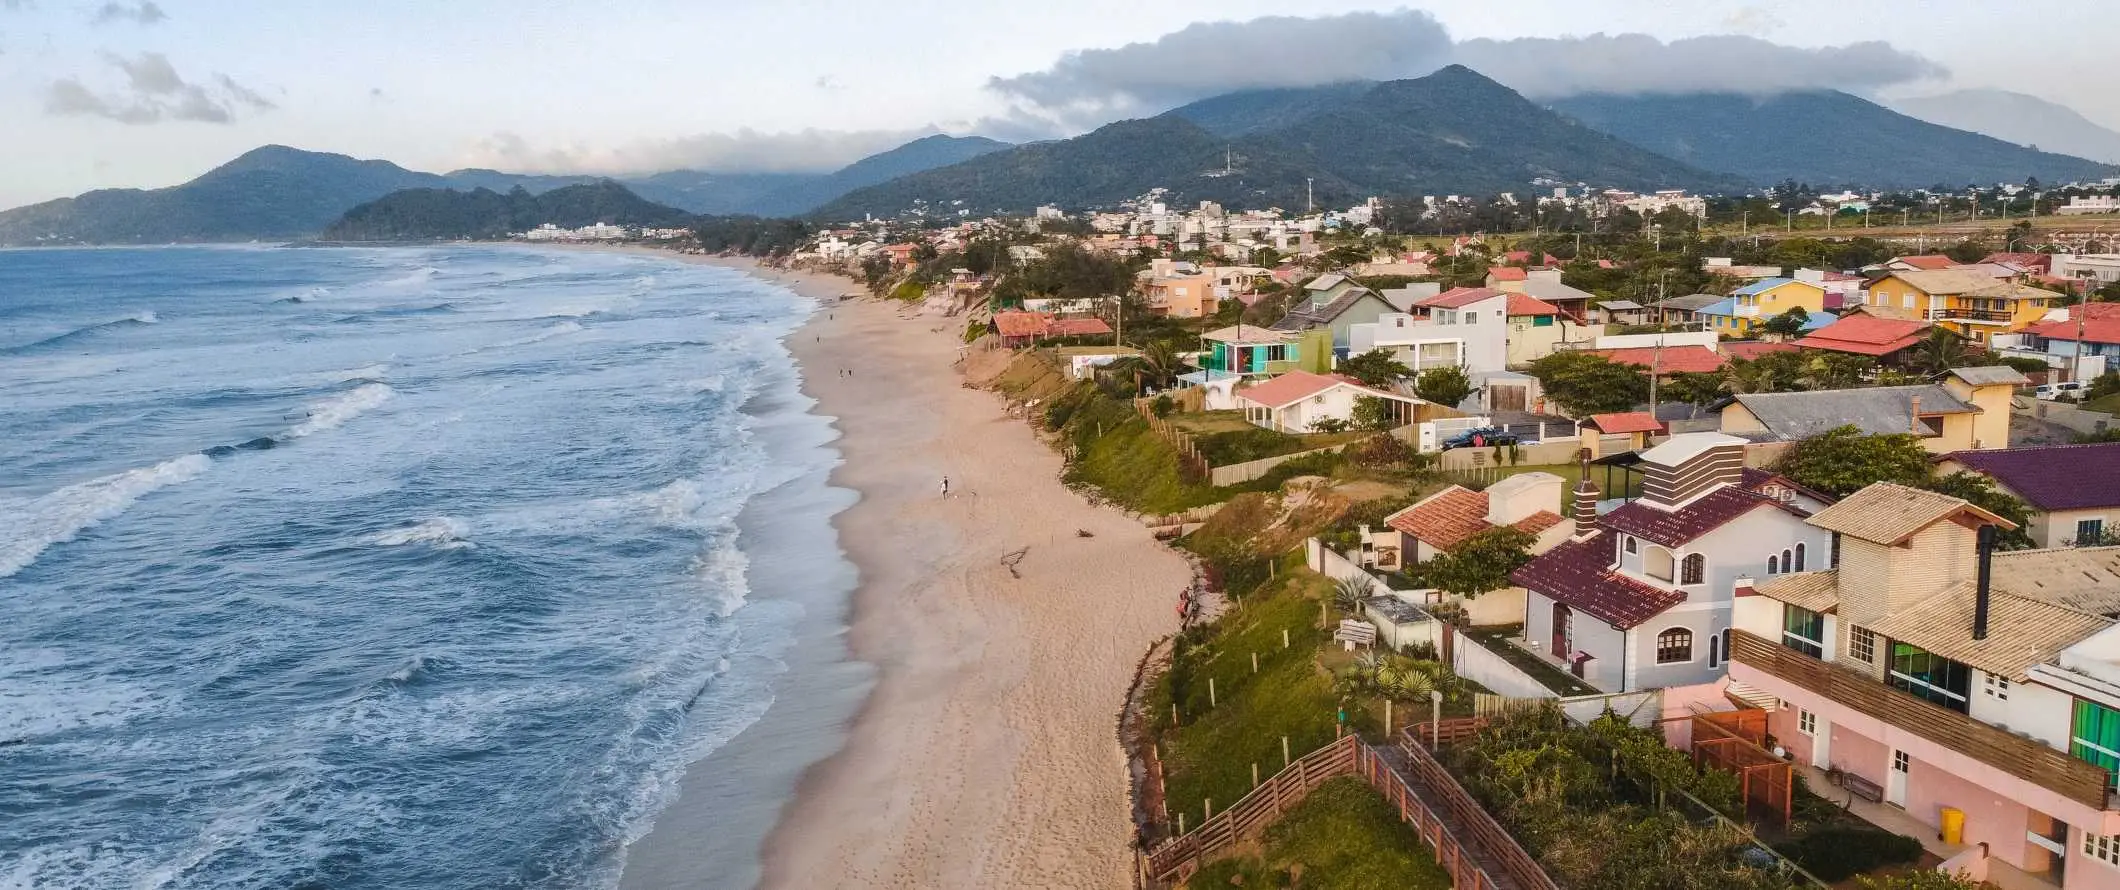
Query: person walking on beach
point(945, 486)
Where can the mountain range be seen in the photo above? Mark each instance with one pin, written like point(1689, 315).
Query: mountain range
point(1454, 131)
point(449, 214)
point(2016, 117)
point(276, 193)
point(1823, 137)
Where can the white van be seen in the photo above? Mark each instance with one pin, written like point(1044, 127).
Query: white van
point(2047, 391)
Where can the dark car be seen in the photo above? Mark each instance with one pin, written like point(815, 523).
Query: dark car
point(1481, 438)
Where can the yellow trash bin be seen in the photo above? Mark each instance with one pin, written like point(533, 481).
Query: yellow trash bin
point(1953, 825)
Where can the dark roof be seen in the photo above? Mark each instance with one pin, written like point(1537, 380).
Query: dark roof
point(2053, 477)
point(1789, 416)
point(1674, 528)
point(1579, 574)
point(1303, 317)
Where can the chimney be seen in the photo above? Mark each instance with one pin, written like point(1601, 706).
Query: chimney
point(1585, 499)
point(1914, 425)
point(1981, 586)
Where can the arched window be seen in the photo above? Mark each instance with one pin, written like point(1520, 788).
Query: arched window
point(1693, 570)
point(1773, 565)
point(1714, 650)
point(1632, 546)
point(1674, 646)
point(1799, 559)
point(1788, 563)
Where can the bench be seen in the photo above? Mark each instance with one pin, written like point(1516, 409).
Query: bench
point(1861, 787)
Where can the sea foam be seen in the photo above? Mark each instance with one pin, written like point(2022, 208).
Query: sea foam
point(30, 525)
point(330, 414)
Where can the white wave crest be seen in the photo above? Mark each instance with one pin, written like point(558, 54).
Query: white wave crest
point(29, 525)
point(711, 383)
point(330, 414)
point(147, 317)
point(365, 372)
point(416, 278)
point(722, 569)
point(446, 533)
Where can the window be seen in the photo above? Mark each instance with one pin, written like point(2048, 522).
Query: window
point(1997, 688)
point(1694, 570)
point(1803, 630)
point(1862, 644)
point(1901, 762)
point(2089, 532)
point(1773, 565)
point(1632, 545)
point(2102, 847)
point(1674, 646)
point(1787, 561)
point(1924, 674)
point(2095, 736)
point(1806, 722)
point(1472, 317)
point(1836, 552)
point(1799, 559)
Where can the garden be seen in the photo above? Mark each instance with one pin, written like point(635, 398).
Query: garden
point(1344, 835)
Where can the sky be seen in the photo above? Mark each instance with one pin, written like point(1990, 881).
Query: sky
point(149, 93)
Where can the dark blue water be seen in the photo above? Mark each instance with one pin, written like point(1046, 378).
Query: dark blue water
point(372, 568)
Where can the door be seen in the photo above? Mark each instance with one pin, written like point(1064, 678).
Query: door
point(1895, 782)
point(1562, 645)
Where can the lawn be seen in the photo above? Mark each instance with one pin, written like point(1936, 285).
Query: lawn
point(1225, 437)
point(1343, 836)
point(2109, 404)
point(1209, 754)
point(1570, 474)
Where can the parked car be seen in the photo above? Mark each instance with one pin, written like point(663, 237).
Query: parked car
point(2049, 391)
point(1481, 438)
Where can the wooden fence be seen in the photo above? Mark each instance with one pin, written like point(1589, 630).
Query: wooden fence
point(1189, 457)
point(1179, 857)
point(1501, 852)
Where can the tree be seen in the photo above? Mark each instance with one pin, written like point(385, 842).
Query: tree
point(1447, 386)
point(1980, 491)
point(1347, 593)
point(1836, 370)
point(1941, 352)
point(1841, 461)
point(1787, 324)
point(1771, 372)
point(1692, 388)
point(1590, 384)
point(1480, 563)
point(1374, 413)
point(1377, 367)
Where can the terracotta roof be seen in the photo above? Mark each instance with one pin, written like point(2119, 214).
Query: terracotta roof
point(1675, 359)
point(1526, 304)
point(1752, 349)
point(1445, 519)
point(2052, 477)
point(1888, 513)
point(2027, 260)
point(1021, 324)
point(1865, 334)
point(1925, 261)
point(1816, 591)
point(1290, 388)
point(1077, 327)
point(1579, 574)
point(2022, 631)
point(1460, 297)
point(2101, 324)
point(1675, 528)
point(1627, 422)
point(1506, 273)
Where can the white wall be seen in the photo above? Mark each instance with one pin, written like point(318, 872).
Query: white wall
point(1484, 343)
point(1644, 341)
point(2045, 714)
point(1604, 642)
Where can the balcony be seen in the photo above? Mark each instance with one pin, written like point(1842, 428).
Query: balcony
point(2024, 758)
point(1974, 316)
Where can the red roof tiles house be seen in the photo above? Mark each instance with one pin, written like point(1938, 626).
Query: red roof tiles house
point(1021, 324)
point(1674, 359)
point(2101, 324)
point(1752, 349)
point(1506, 273)
point(1866, 334)
point(1930, 261)
point(1525, 304)
point(1460, 297)
point(1077, 327)
point(1579, 574)
point(1626, 422)
point(1449, 517)
point(2052, 477)
point(1296, 386)
point(1675, 528)
point(2030, 261)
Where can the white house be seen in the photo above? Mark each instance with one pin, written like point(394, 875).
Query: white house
point(1296, 401)
point(1473, 336)
point(1641, 598)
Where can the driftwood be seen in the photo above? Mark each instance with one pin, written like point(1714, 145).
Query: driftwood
point(1084, 533)
point(1012, 559)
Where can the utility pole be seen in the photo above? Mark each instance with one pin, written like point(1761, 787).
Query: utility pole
point(1789, 225)
point(1744, 224)
point(1310, 201)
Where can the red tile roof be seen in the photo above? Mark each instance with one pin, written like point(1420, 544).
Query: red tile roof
point(2101, 324)
point(1077, 327)
point(1459, 297)
point(1674, 528)
point(1627, 422)
point(2053, 477)
point(1927, 261)
point(1456, 513)
point(1526, 304)
point(1866, 334)
point(2038, 261)
point(1579, 574)
point(1675, 359)
point(1752, 349)
point(1506, 273)
point(1296, 386)
point(1021, 324)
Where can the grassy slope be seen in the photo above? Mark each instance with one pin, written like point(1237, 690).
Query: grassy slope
point(1343, 836)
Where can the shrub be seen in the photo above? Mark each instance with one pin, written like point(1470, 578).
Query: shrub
point(1838, 852)
point(1163, 405)
point(1328, 425)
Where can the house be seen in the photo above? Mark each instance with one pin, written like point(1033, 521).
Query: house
point(1252, 351)
point(1928, 262)
point(1930, 673)
point(1751, 350)
point(1625, 312)
point(1842, 290)
point(2088, 331)
point(1620, 433)
point(1083, 361)
point(1756, 303)
point(1966, 303)
point(1020, 329)
point(1640, 598)
point(1527, 502)
point(1545, 284)
point(901, 254)
point(2073, 490)
point(1403, 299)
point(2035, 263)
point(1296, 401)
point(1684, 310)
point(1180, 294)
point(1946, 417)
point(1506, 277)
point(1666, 361)
point(1336, 308)
point(1466, 327)
point(1888, 340)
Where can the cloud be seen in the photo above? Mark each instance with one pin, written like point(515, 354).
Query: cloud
point(153, 92)
point(743, 151)
point(1211, 58)
point(142, 13)
point(1753, 20)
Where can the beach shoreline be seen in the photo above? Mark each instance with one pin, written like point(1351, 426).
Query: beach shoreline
point(984, 751)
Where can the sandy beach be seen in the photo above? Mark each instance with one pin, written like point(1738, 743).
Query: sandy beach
point(985, 754)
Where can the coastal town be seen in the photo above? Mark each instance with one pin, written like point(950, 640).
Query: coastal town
point(1509, 548)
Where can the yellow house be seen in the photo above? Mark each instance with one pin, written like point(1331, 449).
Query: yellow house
point(1757, 303)
point(1969, 304)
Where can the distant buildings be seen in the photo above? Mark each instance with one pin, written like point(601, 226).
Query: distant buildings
point(594, 232)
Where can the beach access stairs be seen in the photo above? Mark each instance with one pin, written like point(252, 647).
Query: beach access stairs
point(1467, 842)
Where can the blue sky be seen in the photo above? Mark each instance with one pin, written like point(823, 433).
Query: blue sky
point(145, 94)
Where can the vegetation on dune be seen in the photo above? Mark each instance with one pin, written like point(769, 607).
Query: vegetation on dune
point(442, 214)
point(1343, 836)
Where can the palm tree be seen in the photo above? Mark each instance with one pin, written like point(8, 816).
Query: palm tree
point(1348, 593)
point(1941, 352)
point(1159, 359)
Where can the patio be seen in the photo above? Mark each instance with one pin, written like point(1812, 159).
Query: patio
point(1899, 821)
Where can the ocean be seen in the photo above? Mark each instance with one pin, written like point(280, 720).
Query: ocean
point(386, 568)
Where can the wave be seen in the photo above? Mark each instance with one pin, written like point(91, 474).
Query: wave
point(330, 414)
point(445, 533)
point(559, 330)
point(416, 278)
point(28, 526)
point(138, 319)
